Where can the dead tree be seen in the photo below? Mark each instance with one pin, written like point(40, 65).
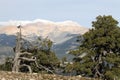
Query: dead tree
point(19, 56)
point(19, 53)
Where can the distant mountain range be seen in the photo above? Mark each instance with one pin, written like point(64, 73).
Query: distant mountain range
point(63, 34)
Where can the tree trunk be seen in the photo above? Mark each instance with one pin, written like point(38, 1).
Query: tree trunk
point(16, 62)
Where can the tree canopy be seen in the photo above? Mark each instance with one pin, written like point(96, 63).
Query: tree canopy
point(37, 55)
point(99, 53)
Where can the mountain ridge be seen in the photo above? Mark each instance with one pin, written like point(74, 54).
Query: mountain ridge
point(38, 24)
point(61, 33)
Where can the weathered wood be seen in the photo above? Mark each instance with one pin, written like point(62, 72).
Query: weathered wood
point(25, 53)
point(27, 59)
point(29, 68)
point(19, 56)
point(41, 66)
point(18, 53)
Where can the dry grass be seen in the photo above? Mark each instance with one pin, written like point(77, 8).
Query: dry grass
point(36, 76)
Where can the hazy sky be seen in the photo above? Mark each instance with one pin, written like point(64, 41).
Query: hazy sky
point(81, 11)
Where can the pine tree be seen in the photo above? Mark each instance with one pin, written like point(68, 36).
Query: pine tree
point(32, 56)
point(99, 54)
point(41, 48)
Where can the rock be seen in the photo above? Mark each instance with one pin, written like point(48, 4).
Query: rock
point(3, 79)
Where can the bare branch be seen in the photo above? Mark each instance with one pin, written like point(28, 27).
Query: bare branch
point(41, 66)
point(26, 53)
point(29, 68)
point(27, 59)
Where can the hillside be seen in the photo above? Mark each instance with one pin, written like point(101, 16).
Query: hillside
point(63, 34)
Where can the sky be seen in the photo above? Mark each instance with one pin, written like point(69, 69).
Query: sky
point(80, 11)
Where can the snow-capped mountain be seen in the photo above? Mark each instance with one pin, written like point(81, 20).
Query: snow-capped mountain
point(41, 27)
point(59, 32)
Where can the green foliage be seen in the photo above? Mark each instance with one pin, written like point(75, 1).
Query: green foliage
point(7, 66)
point(112, 74)
point(69, 68)
point(64, 59)
point(41, 49)
point(102, 45)
point(46, 59)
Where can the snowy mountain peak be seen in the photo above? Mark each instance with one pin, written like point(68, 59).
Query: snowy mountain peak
point(63, 34)
point(42, 27)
